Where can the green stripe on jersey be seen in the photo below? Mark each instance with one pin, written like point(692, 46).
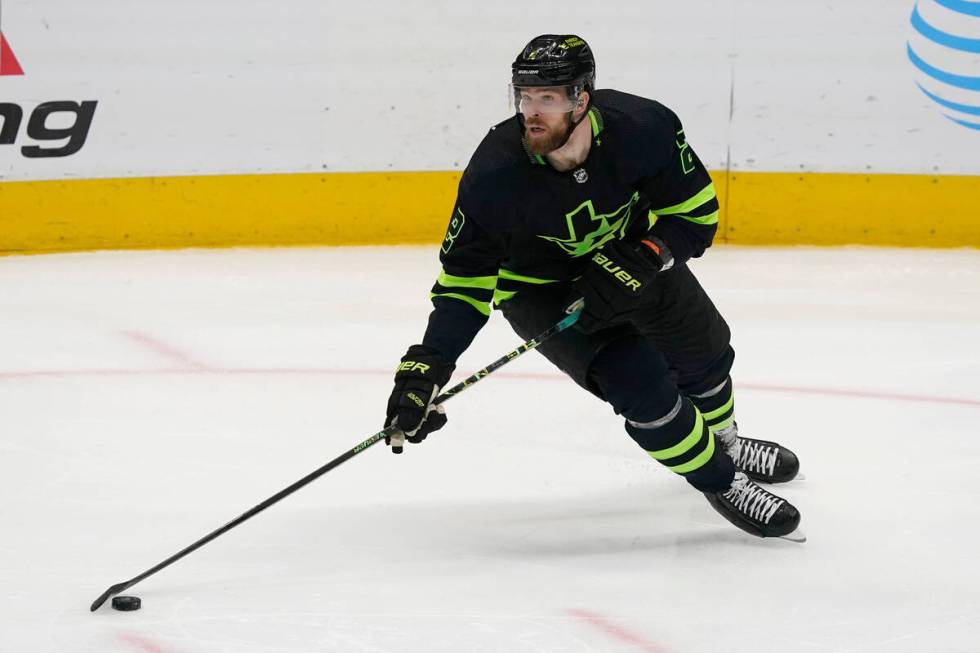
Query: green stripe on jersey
point(705, 195)
point(711, 218)
point(483, 307)
point(595, 124)
point(512, 276)
point(450, 281)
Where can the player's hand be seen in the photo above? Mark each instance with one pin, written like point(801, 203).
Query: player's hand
point(614, 280)
point(419, 376)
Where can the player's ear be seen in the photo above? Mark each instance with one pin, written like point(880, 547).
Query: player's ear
point(583, 103)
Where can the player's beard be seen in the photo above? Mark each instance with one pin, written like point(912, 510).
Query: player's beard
point(551, 140)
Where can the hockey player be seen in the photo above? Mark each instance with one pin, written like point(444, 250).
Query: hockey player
point(597, 194)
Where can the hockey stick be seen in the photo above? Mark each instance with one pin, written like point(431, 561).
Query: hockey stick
point(574, 311)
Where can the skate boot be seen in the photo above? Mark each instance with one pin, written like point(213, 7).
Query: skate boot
point(761, 460)
point(751, 508)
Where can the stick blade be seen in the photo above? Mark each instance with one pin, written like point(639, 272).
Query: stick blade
point(115, 589)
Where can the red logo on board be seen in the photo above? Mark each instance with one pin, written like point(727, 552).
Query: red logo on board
point(8, 62)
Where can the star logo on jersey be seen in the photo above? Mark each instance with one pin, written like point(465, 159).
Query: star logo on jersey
point(610, 226)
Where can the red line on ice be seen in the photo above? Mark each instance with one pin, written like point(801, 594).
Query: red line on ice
point(615, 630)
point(867, 394)
point(194, 368)
point(142, 643)
point(165, 350)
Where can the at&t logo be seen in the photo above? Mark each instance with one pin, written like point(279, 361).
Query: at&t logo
point(944, 48)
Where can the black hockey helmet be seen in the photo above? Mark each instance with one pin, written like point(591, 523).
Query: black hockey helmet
point(555, 60)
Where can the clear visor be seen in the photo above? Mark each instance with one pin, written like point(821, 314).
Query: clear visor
point(532, 100)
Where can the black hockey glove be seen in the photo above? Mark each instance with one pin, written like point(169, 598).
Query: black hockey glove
point(419, 376)
point(615, 278)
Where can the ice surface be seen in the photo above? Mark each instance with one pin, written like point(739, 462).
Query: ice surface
point(147, 398)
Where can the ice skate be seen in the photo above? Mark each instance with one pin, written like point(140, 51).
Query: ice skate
point(751, 508)
point(761, 460)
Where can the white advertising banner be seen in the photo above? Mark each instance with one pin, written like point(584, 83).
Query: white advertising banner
point(125, 88)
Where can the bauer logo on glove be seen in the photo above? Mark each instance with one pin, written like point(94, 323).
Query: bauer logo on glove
point(616, 277)
point(412, 366)
point(618, 272)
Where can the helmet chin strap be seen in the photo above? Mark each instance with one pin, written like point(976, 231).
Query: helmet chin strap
point(572, 124)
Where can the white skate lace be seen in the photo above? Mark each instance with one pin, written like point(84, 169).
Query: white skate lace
point(750, 499)
point(753, 456)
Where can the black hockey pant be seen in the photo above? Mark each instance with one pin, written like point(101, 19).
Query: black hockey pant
point(666, 371)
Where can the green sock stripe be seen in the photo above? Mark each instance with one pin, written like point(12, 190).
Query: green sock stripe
point(698, 461)
point(717, 422)
point(717, 413)
point(725, 423)
point(684, 445)
point(502, 296)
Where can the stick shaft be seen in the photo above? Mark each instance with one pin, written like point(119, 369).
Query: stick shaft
point(508, 357)
point(574, 312)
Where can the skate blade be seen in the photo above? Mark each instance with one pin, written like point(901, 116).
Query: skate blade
point(797, 536)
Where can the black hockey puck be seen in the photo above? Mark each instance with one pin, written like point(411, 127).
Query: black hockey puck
point(126, 603)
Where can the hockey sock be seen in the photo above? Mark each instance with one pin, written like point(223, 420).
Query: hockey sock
point(681, 441)
point(717, 405)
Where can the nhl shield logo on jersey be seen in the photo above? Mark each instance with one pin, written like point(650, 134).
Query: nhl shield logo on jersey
point(583, 218)
point(581, 176)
